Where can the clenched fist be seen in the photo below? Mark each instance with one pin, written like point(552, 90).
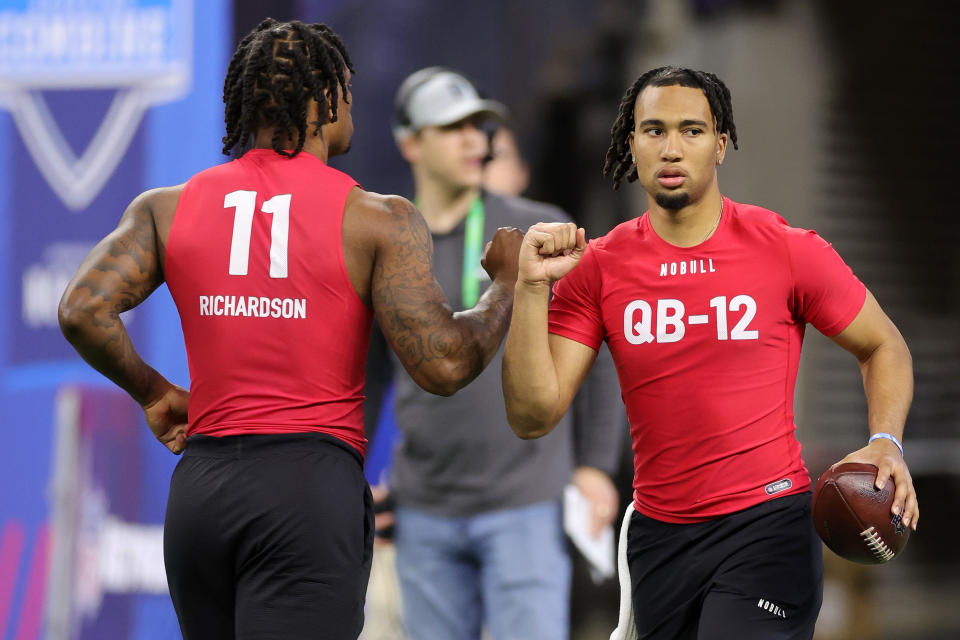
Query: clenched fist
point(501, 254)
point(549, 251)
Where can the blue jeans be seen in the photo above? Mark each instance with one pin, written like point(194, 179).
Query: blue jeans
point(507, 570)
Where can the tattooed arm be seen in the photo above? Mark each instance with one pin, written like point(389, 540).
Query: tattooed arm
point(442, 350)
point(120, 272)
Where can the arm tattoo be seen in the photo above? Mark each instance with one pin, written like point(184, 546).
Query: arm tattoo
point(120, 272)
point(413, 311)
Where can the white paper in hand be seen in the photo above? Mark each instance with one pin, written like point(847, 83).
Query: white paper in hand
point(599, 551)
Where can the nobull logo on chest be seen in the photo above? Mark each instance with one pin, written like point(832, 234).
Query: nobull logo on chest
point(687, 267)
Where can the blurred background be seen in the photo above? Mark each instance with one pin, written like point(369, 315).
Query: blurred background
point(847, 115)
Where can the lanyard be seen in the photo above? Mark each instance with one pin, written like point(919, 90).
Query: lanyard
point(472, 250)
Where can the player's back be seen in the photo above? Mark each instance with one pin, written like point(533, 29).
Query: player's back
point(276, 336)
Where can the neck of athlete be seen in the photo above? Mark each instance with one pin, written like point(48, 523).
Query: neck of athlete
point(442, 204)
point(314, 145)
point(690, 225)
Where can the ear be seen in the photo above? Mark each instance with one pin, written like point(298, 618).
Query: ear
point(328, 116)
point(630, 141)
point(409, 147)
point(329, 109)
point(721, 148)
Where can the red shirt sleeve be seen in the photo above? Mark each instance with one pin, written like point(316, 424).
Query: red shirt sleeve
point(826, 293)
point(575, 307)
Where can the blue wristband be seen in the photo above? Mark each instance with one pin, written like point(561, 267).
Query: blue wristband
point(887, 436)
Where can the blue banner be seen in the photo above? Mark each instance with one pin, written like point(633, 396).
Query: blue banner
point(99, 101)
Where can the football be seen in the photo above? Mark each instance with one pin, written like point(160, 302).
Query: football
point(853, 517)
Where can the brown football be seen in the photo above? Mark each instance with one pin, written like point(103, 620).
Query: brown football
point(853, 517)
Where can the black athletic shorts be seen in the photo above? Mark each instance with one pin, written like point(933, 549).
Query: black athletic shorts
point(268, 537)
point(753, 574)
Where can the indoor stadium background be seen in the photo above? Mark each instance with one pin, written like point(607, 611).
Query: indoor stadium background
point(847, 117)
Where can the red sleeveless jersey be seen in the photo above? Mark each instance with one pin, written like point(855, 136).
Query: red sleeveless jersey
point(276, 335)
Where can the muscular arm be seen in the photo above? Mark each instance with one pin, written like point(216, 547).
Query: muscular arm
point(887, 370)
point(120, 272)
point(886, 366)
point(442, 350)
point(542, 371)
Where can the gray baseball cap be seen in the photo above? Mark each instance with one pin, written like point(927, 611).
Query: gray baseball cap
point(437, 96)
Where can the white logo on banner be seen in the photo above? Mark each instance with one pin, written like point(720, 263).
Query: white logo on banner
point(141, 48)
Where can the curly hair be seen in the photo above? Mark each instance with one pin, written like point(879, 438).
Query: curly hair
point(274, 73)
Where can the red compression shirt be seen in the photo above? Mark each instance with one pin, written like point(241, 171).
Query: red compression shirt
point(276, 335)
point(707, 340)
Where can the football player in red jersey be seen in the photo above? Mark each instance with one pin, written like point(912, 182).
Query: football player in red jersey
point(703, 302)
point(277, 263)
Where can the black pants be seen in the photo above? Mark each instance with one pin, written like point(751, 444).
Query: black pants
point(753, 574)
point(269, 536)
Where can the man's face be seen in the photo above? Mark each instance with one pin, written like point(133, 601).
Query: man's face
point(341, 131)
point(452, 154)
point(675, 144)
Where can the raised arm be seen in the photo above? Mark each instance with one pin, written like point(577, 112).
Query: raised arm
point(542, 372)
point(442, 350)
point(120, 272)
point(887, 370)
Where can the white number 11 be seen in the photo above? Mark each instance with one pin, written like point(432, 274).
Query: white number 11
point(245, 203)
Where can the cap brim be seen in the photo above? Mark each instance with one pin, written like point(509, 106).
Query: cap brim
point(463, 110)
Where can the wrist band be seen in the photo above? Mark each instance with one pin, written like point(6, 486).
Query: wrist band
point(887, 436)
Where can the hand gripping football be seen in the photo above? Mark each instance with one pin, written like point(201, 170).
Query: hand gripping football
point(853, 517)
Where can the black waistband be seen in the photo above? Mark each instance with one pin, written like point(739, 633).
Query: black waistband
point(792, 501)
point(260, 445)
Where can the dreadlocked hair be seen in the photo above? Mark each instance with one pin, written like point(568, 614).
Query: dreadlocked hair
point(277, 68)
point(619, 160)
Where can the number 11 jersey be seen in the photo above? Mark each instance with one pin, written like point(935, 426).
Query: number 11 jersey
point(276, 335)
point(707, 341)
